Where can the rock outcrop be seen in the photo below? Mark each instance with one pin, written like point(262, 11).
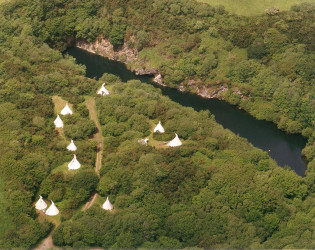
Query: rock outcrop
point(159, 80)
point(130, 57)
point(125, 54)
point(103, 47)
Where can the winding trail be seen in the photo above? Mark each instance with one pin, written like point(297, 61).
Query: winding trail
point(47, 243)
point(90, 103)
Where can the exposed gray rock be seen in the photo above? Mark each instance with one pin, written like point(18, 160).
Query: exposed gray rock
point(141, 72)
point(159, 80)
point(129, 56)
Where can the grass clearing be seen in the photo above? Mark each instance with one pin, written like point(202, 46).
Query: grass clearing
point(155, 143)
point(254, 7)
point(56, 220)
point(60, 104)
point(100, 201)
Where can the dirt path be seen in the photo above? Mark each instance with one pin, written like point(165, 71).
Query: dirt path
point(90, 202)
point(47, 243)
point(98, 135)
point(90, 103)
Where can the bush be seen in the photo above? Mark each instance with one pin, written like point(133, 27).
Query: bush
point(85, 179)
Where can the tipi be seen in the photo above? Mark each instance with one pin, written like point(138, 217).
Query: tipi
point(175, 142)
point(66, 110)
point(74, 164)
point(103, 91)
point(159, 128)
point(40, 204)
point(52, 210)
point(58, 122)
point(71, 146)
point(107, 205)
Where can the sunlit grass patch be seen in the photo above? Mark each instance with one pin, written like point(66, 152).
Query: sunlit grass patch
point(60, 104)
point(154, 143)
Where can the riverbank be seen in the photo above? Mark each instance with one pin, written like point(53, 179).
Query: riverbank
point(222, 91)
point(284, 148)
point(130, 57)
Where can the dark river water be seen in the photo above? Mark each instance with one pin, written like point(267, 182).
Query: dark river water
point(284, 148)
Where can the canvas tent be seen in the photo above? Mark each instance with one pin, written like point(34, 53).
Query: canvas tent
point(40, 204)
point(58, 122)
point(143, 141)
point(175, 142)
point(103, 91)
point(159, 128)
point(52, 210)
point(66, 110)
point(71, 146)
point(74, 164)
point(107, 205)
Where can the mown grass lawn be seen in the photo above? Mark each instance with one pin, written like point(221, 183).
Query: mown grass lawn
point(254, 7)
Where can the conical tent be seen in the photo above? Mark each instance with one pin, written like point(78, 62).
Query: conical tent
point(71, 146)
point(103, 91)
point(175, 142)
point(58, 122)
point(66, 110)
point(74, 164)
point(107, 205)
point(52, 210)
point(40, 204)
point(159, 128)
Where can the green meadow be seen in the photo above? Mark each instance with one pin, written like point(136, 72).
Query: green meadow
point(253, 7)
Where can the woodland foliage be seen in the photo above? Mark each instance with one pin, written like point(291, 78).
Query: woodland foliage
point(216, 191)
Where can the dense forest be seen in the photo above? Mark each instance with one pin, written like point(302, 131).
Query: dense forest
point(216, 190)
point(266, 62)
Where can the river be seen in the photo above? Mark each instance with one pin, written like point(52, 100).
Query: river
point(284, 148)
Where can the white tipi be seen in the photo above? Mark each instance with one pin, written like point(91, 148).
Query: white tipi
point(107, 205)
point(66, 110)
point(58, 122)
point(175, 142)
point(40, 204)
point(71, 146)
point(74, 164)
point(52, 210)
point(159, 128)
point(103, 91)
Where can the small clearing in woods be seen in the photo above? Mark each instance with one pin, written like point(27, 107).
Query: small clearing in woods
point(60, 103)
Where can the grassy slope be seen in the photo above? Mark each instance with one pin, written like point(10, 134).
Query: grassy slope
point(253, 7)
